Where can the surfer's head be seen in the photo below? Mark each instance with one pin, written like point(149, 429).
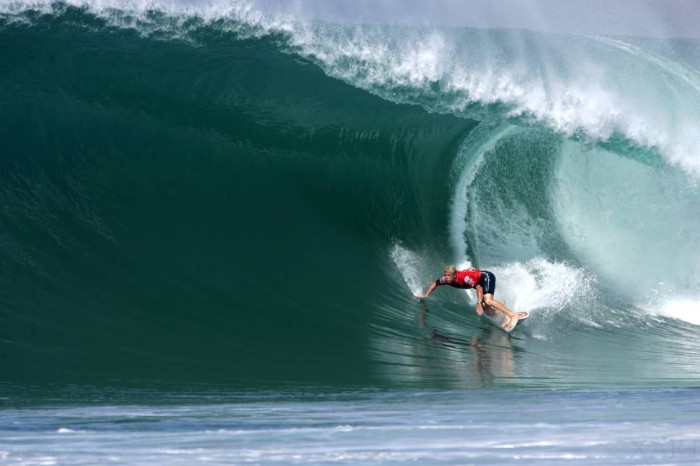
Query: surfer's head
point(450, 272)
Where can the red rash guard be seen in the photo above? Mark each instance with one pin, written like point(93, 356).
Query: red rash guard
point(463, 279)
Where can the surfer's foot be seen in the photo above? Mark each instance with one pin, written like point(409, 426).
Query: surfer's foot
point(511, 323)
point(522, 315)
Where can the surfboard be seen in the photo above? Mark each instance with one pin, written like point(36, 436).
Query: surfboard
point(499, 318)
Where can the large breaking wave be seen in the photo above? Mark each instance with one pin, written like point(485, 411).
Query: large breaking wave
point(215, 193)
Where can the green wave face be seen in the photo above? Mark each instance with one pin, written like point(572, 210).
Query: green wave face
point(216, 200)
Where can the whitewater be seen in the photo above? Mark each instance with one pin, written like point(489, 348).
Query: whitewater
point(215, 217)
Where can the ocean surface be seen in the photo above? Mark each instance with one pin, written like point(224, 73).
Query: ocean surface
point(213, 223)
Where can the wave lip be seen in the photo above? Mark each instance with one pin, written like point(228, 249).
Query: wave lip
point(594, 88)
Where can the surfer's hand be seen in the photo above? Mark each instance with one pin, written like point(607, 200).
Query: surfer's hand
point(479, 309)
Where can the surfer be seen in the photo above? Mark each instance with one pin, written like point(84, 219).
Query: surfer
point(484, 282)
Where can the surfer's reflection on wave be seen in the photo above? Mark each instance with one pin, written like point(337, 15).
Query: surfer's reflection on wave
point(490, 350)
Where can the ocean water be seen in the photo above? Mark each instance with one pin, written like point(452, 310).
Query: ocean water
point(212, 426)
point(213, 222)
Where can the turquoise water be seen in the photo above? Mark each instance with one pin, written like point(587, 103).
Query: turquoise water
point(248, 204)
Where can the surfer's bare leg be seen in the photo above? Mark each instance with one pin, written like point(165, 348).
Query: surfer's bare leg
point(504, 308)
point(492, 303)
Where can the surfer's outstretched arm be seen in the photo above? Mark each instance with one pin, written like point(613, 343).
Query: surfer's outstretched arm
point(430, 290)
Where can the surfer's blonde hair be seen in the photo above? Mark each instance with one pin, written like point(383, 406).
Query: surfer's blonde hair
point(450, 269)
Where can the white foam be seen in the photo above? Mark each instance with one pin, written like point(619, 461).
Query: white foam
point(408, 264)
point(685, 309)
point(541, 285)
point(64, 430)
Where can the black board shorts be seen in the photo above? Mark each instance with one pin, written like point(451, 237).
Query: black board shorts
point(487, 280)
